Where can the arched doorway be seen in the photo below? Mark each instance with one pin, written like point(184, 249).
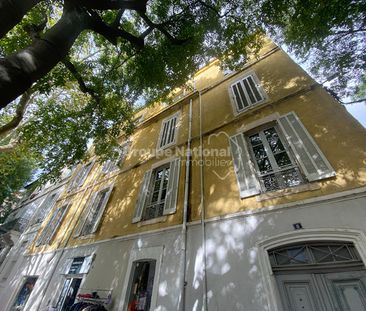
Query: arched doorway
point(319, 276)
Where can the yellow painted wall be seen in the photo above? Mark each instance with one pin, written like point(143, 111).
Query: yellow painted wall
point(340, 137)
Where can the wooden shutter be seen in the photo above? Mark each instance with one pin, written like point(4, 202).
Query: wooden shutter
point(311, 159)
point(84, 214)
point(42, 238)
point(87, 169)
point(247, 92)
point(102, 208)
point(243, 166)
point(85, 267)
point(143, 194)
point(170, 205)
point(67, 265)
point(106, 166)
point(60, 214)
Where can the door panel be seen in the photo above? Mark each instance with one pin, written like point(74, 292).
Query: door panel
point(300, 293)
point(349, 289)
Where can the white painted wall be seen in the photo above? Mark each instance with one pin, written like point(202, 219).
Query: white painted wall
point(234, 275)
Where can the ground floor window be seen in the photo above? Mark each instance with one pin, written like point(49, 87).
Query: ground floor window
point(68, 294)
point(320, 276)
point(24, 293)
point(141, 285)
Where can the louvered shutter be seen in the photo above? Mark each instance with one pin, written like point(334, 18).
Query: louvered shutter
point(170, 205)
point(311, 159)
point(101, 209)
point(42, 238)
point(67, 265)
point(56, 222)
point(106, 166)
point(85, 267)
point(244, 170)
point(84, 215)
point(143, 194)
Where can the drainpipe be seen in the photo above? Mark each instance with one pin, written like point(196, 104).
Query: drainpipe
point(202, 204)
point(185, 208)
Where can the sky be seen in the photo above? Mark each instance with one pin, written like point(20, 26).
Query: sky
point(357, 110)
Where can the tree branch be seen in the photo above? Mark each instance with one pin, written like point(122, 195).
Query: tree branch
point(355, 101)
point(12, 12)
point(135, 5)
point(83, 87)
point(117, 20)
point(111, 33)
point(19, 113)
point(161, 28)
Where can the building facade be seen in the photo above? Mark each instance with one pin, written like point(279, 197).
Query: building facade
point(247, 193)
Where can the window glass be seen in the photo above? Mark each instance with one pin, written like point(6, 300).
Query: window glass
point(24, 294)
point(76, 265)
point(68, 294)
point(158, 191)
point(94, 213)
point(141, 286)
point(276, 168)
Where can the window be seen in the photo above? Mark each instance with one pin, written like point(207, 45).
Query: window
point(24, 294)
point(80, 176)
point(276, 168)
point(308, 255)
point(45, 208)
point(168, 132)
point(52, 226)
point(93, 212)
point(114, 164)
point(141, 285)
point(279, 155)
point(158, 193)
point(75, 267)
point(247, 92)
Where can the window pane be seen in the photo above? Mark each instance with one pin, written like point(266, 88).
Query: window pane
point(158, 190)
point(24, 294)
point(141, 287)
point(274, 140)
point(282, 159)
point(291, 178)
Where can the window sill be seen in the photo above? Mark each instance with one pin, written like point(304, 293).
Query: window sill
point(152, 221)
point(288, 191)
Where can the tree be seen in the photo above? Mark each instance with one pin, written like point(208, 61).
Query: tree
point(70, 71)
point(15, 171)
point(329, 35)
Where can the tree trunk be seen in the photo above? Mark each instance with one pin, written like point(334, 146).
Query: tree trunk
point(12, 12)
point(21, 69)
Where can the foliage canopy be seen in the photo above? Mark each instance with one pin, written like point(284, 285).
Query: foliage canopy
point(71, 71)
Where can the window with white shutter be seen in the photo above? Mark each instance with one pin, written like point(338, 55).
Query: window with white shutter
point(277, 155)
point(93, 212)
point(80, 176)
point(247, 92)
point(158, 192)
point(52, 225)
point(112, 165)
point(45, 208)
point(168, 132)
